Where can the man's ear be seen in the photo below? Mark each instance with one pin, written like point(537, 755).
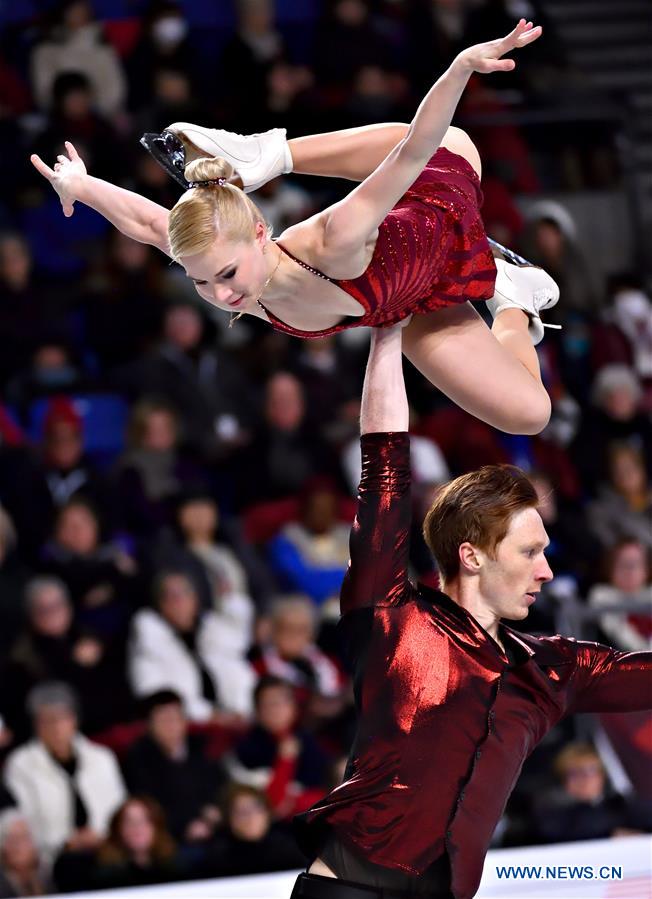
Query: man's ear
point(471, 558)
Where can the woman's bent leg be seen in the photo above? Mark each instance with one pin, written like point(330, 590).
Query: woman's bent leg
point(357, 152)
point(493, 374)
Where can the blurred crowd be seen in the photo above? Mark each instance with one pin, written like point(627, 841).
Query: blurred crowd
point(175, 495)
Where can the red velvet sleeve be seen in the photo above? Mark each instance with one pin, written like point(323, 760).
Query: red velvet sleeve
point(380, 536)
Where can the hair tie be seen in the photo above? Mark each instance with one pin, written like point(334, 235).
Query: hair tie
point(220, 182)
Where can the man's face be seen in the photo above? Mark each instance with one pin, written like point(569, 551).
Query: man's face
point(168, 726)
point(55, 726)
point(510, 581)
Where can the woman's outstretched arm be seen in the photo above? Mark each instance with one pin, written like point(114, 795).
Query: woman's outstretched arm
point(136, 216)
point(350, 223)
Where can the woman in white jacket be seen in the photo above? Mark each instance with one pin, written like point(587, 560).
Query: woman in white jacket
point(66, 786)
point(175, 646)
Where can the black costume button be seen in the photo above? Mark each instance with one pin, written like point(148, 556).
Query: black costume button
point(449, 834)
point(478, 753)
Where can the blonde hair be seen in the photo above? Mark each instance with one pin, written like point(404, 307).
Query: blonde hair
point(212, 210)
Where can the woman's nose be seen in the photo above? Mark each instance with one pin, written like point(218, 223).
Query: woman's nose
point(222, 294)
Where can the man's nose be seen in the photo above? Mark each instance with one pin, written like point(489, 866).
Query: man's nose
point(545, 572)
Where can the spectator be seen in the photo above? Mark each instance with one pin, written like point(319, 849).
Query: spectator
point(205, 385)
point(123, 310)
point(584, 807)
point(616, 415)
point(154, 468)
point(276, 755)
point(252, 51)
point(250, 843)
point(74, 118)
point(286, 452)
point(624, 504)
point(13, 576)
point(51, 372)
point(76, 44)
point(628, 577)
point(291, 652)
point(59, 472)
point(172, 766)
point(67, 786)
point(101, 577)
point(27, 306)
point(176, 646)
point(199, 519)
point(163, 42)
point(310, 555)
point(53, 648)
point(550, 241)
point(138, 850)
point(23, 872)
point(282, 204)
point(625, 333)
point(572, 552)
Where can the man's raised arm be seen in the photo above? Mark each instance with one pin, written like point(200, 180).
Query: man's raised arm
point(380, 536)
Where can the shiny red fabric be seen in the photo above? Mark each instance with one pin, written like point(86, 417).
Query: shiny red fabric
point(445, 718)
point(431, 251)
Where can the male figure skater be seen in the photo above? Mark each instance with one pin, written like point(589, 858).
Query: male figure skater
point(450, 700)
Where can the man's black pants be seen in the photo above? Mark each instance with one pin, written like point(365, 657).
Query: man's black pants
point(314, 886)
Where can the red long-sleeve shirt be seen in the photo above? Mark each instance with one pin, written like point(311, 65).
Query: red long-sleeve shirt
point(445, 717)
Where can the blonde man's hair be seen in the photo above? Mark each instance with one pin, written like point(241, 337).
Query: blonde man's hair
point(211, 210)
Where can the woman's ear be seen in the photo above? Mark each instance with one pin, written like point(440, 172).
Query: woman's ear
point(261, 233)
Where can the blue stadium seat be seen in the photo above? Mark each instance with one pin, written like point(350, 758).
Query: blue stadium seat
point(104, 417)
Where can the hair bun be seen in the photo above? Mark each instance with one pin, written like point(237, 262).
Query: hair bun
point(210, 168)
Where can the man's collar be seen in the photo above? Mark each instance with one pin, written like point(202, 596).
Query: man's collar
point(524, 646)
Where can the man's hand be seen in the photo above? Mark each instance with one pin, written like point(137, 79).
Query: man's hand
point(66, 177)
point(485, 58)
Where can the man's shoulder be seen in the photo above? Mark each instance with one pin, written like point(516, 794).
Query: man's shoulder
point(548, 650)
point(25, 756)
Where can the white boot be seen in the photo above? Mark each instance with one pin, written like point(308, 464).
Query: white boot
point(525, 287)
point(257, 158)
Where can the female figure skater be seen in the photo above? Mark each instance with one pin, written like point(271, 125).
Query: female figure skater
point(407, 241)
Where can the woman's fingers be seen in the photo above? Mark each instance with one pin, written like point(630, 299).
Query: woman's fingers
point(529, 36)
point(72, 152)
point(41, 167)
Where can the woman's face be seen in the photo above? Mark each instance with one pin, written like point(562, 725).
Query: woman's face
point(178, 603)
point(627, 472)
point(18, 849)
point(292, 633)
point(50, 613)
point(230, 275)
point(629, 571)
point(160, 433)
point(248, 818)
point(136, 828)
point(276, 709)
point(77, 530)
point(199, 518)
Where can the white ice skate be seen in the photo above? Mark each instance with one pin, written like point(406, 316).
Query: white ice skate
point(257, 158)
point(520, 285)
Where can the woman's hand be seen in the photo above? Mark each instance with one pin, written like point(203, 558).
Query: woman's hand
point(66, 178)
point(485, 58)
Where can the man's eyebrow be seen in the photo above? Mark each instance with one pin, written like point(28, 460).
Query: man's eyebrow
point(217, 274)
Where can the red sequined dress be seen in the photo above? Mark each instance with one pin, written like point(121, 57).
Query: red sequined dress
point(431, 251)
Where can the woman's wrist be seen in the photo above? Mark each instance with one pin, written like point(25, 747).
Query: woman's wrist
point(84, 188)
